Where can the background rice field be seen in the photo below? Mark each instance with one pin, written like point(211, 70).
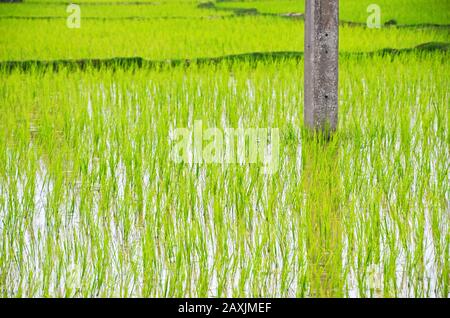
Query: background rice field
point(92, 206)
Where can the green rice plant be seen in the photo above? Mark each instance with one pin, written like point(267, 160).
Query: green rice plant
point(402, 11)
point(91, 204)
point(186, 39)
point(185, 10)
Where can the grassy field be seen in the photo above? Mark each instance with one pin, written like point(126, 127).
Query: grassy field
point(402, 11)
point(91, 204)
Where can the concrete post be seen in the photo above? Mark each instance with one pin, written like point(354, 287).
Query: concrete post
point(321, 64)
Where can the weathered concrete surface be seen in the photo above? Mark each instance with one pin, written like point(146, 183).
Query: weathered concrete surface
point(321, 64)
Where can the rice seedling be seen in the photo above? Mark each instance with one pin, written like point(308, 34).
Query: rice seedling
point(99, 210)
point(93, 205)
point(171, 39)
point(186, 10)
point(402, 11)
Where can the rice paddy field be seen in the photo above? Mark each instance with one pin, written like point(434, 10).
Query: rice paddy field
point(91, 204)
